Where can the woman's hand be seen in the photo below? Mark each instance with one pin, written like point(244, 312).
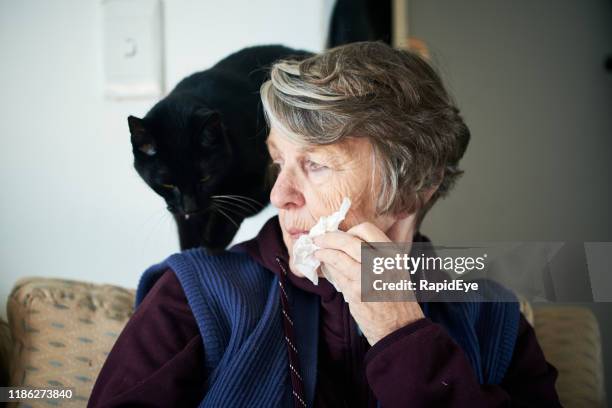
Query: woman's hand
point(340, 255)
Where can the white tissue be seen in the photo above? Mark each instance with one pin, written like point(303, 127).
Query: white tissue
point(304, 247)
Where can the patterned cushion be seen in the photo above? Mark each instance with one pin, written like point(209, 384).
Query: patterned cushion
point(526, 309)
point(62, 332)
point(570, 339)
point(6, 344)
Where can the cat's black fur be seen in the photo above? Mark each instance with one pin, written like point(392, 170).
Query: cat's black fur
point(207, 139)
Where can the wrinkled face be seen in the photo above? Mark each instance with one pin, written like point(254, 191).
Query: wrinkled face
point(312, 181)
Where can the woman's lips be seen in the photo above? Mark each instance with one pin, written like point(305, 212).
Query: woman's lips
point(296, 233)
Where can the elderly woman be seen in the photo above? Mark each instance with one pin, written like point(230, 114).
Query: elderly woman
point(245, 328)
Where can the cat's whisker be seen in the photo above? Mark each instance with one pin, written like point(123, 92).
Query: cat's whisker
point(235, 201)
point(247, 198)
point(243, 199)
point(149, 218)
point(161, 216)
point(240, 199)
point(231, 210)
point(240, 205)
point(227, 216)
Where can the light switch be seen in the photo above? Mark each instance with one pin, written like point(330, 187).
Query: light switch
point(133, 48)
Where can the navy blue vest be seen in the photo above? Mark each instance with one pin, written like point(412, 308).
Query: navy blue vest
point(235, 302)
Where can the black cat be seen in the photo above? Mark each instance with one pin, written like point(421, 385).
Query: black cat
point(202, 147)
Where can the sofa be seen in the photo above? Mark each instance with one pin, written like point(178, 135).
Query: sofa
point(59, 333)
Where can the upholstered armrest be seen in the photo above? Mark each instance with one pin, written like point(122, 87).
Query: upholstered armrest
point(6, 345)
point(570, 339)
point(526, 310)
point(62, 332)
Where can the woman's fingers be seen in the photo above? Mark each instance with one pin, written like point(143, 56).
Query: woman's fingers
point(350, 241)
point(343, 271)
point(341, 241)
point(341, 254)
point(339, 263)
point(368, 232)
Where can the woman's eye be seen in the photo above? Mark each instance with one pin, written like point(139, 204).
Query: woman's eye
point(312, 166)
point(169, 186)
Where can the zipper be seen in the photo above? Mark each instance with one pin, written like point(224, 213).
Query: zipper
point(297, 384)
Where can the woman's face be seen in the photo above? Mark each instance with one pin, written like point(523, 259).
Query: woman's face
point(313, 180)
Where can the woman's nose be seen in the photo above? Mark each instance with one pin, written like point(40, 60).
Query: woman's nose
point(285, 193)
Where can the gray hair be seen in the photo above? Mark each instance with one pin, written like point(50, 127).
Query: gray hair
point(392, 97)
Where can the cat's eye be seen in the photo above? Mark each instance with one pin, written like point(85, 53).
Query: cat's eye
point(205, 178)
point(169, 186)
point(148, 149)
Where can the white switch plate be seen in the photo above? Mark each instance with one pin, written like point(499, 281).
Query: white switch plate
point(133, 48)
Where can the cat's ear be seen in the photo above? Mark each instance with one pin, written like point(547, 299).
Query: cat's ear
point(209, 127)
point(141, 137)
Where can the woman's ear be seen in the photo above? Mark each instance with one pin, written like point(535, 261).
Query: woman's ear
point(407, 222)
point(420, 201)
point(403, 228)
point(426, 195)
point(423, 197)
